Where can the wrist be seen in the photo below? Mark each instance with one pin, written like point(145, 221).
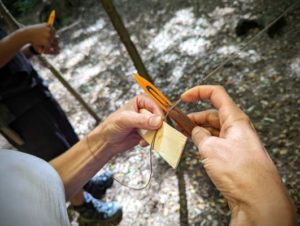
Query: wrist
point(277, 209)
point(97, 144)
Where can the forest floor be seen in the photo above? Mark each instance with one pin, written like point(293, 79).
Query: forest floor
point(180, 43)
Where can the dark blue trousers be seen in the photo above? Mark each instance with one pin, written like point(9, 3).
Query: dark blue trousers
point(45, 129)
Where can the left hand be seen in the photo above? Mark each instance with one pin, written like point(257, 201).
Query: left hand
point(120, 128)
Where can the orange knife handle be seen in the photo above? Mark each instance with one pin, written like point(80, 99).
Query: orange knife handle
point(182, 120)
point(50, 22)
point(51, 18)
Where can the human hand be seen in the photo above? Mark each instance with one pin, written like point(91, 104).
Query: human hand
point(53, 47)
point(120, 128)
point(237, 162)
point(40, 36)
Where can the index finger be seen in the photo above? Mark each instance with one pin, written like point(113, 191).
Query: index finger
point(143, 101)
point(228, 110)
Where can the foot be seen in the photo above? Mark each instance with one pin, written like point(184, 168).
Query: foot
point(95, 212)
point(98, 184)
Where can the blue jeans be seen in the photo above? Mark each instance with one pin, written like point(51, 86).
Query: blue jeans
point(31, 192)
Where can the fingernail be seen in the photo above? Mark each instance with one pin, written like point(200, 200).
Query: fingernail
point(155, 120)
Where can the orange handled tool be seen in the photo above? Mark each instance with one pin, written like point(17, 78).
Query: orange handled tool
point(50, 22)
point(51, 18)
point(162, 101)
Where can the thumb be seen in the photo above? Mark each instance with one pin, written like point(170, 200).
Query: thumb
point(155, 121)
point(199, 135)
point(141, 121)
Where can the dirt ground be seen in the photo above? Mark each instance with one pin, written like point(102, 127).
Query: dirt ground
point(180, 43)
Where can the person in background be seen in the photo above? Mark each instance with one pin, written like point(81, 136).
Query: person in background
point(32, 120)
point(233, 157)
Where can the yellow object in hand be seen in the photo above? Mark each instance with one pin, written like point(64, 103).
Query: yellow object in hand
point(50, 22)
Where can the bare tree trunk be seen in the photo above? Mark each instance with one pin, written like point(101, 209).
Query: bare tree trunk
point(125, 38)
point(13, 23)
point(183, 211)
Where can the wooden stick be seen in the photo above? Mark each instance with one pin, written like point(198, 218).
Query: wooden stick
point(182, 120)
point(67, 85)
point(125, 38)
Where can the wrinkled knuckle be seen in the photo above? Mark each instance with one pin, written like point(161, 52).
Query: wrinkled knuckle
point(144, 118)
point(248, 122)
point(247, 119)
point(200, 135)
point(220, 88)
point(138, 99)
point(205, 146)
point(197, 133)
point(244, 120)
point(208, 142)
point(120, 117)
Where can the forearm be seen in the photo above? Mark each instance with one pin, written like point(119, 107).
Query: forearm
point(77, 165)
point(276, 210)
point(11, 44)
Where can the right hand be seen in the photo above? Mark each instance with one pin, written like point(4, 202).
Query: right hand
point(53, 47)
point(40, 36)
point(237, 162)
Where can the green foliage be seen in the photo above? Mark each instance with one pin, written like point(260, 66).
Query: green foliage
point(67, 11)
point(19, 7)
point(25, 5)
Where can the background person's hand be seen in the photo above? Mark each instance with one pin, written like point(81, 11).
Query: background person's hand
point(237, 162)
point(53, 47)
point(120, 128)
point(40, 36)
